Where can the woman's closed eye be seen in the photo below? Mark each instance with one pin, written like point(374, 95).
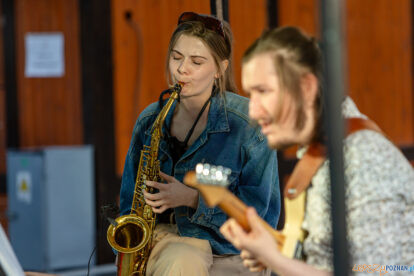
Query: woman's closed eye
point(194, 61)
point(197, 61)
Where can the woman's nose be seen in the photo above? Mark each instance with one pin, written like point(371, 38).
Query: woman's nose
point(183, 67)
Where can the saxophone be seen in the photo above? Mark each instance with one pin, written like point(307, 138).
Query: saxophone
point(131, 235)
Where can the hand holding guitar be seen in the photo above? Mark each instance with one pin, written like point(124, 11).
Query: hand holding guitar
point(260, 244)
point(251, 243)
point(212, 183)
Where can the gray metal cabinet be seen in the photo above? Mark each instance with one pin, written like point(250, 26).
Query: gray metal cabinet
point(51, 206)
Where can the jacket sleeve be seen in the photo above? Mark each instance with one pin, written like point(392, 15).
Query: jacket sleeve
point(259, 180)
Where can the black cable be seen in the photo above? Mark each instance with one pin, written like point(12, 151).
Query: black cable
point(113, 209)
point(90, 258)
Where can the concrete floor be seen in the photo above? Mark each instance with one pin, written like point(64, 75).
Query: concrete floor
point(100, 270)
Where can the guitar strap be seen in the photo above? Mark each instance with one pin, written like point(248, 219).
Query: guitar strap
point(314, 157)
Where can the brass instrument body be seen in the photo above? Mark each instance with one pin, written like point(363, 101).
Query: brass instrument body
point(132, 234)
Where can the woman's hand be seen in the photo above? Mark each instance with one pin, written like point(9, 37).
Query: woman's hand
point(171, 194)
point(258, 246)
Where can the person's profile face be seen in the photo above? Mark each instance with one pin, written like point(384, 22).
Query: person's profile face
point(192, 65)
point(261, 83)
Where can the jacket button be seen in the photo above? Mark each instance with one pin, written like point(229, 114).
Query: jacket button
point(200, 218)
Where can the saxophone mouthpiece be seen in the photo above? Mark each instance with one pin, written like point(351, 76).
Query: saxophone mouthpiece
point(178, 86)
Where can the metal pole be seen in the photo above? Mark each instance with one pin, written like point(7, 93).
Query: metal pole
point(272, 13)
point(10, 74)
point(220, 9)
point(333, 47)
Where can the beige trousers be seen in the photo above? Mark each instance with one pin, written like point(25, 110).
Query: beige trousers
point(173, 255)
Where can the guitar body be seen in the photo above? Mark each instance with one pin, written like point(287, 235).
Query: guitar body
point(292, 231)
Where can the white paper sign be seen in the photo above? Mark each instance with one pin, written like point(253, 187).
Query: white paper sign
point(44, 55)
point(24, 186)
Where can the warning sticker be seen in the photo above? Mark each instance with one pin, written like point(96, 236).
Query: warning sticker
point(24, 186)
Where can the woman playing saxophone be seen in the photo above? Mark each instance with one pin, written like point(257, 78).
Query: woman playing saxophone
point(208, 124)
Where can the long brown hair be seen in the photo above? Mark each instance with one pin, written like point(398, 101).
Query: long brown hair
point(295, 54)
point(219, 46)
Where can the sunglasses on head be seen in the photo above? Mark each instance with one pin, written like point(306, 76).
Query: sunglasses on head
point(209, 22)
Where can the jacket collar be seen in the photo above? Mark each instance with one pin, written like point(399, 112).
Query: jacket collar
point(217, 122)
point(217, 116)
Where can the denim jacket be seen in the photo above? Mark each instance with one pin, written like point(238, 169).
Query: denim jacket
point(228, 140)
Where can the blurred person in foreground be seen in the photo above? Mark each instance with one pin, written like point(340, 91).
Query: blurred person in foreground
point(282, 73)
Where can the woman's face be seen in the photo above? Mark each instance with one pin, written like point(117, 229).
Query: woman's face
point(278, 122)
point(192, 65)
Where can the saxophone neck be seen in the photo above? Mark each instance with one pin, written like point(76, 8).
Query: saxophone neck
point(159, 121)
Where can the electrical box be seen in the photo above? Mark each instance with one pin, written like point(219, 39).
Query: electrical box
point(51, 206)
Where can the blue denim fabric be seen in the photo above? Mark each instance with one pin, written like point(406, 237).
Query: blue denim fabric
point(228, 140)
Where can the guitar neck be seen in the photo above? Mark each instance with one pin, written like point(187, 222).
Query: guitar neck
point(236, 209)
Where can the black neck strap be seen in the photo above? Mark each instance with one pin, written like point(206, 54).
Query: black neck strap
point(190, 132)
point(177, 147)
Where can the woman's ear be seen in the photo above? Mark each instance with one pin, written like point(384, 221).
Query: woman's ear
point(309, 86)
point(224, 64)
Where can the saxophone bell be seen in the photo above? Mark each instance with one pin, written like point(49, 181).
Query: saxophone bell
point(130, 234)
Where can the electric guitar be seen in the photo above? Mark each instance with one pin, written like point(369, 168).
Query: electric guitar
point(212, 181)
